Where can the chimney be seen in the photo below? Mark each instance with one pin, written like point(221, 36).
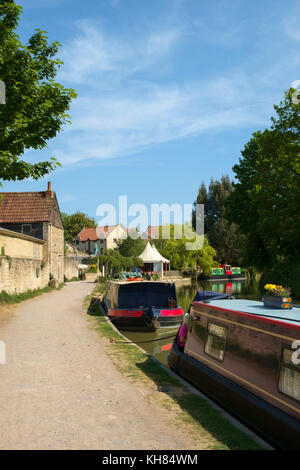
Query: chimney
point(49, 192)
point(106, 228)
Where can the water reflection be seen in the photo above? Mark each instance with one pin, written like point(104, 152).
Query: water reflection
point(159, 343)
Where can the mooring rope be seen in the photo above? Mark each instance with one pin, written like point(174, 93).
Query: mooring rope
point(115, 341)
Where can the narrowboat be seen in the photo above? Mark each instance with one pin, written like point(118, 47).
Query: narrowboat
point(246, 357)
point(226, 271)
point(142, 306)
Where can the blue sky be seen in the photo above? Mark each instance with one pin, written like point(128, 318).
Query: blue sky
point(169, 92)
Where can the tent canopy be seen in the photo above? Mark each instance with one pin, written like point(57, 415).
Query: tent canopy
point(152, 255)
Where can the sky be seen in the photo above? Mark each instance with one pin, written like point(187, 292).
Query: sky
point(169, 92)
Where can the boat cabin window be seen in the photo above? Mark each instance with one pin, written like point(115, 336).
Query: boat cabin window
point(289, 377)
point(216, 341)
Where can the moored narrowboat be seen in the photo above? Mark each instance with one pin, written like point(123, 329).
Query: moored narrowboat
point(246, 357)
point(142, 306)
point(226, 271)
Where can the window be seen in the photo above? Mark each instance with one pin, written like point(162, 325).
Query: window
point(216, 341)
point(289, 376)
point(26, 229)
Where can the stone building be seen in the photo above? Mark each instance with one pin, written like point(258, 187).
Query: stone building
point(37, 215)
point(96, 240)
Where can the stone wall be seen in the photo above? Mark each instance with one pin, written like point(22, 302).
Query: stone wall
point(70, 268)
point(18, 275)
point(23, 264)
point(26, 262)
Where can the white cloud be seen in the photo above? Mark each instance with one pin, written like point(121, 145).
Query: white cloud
point(121, 111)
point(94, 55)
point(111, 126)
point(89, 54)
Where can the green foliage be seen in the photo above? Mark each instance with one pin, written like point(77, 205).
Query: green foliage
point(286, 274)
point(225, 237)
point(36, 105)
point(131, 246)
point(114, 262)
point(265, 199)
point(175, 249)
point(74, 223)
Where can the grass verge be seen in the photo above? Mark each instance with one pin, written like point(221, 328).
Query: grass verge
point(205, 424)
point(9, 299)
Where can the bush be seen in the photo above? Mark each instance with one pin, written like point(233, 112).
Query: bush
point(92, 269)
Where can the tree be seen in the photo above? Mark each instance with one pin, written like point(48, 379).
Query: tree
point(225, 237)
point(265, 199)
point(114, 262)
point(180, 258)
point(74, 223)
point(131, 246)
point(35, 108)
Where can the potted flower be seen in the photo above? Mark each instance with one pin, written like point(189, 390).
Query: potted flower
point(277, 297)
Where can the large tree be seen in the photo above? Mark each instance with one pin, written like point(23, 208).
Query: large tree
point(224, 236)
point(131, 246)
point(265, 199)
point(35, 108)
point(74, 223)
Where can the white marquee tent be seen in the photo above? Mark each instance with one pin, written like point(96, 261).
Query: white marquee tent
point(151, 257)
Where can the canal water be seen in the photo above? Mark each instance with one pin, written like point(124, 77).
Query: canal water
point(159, 343)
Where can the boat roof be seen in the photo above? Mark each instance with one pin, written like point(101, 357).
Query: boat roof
point(257, 308)
point(121, 282)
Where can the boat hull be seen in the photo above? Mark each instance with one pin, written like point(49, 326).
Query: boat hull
point(145, 324)
point(229, 277)
point(148, 320)
point(278, 428)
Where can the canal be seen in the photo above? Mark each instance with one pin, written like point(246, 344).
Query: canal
point(158, 344)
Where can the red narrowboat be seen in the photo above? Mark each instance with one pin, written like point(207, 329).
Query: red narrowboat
point(246, 357)
point(142, 306)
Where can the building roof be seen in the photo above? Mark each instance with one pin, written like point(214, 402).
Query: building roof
point(30, 207)
point(152, 255)
point(95, 233)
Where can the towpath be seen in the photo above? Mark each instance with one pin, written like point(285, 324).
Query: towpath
point(59, 390)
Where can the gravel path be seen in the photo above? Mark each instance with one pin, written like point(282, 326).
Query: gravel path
point(59, 390)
